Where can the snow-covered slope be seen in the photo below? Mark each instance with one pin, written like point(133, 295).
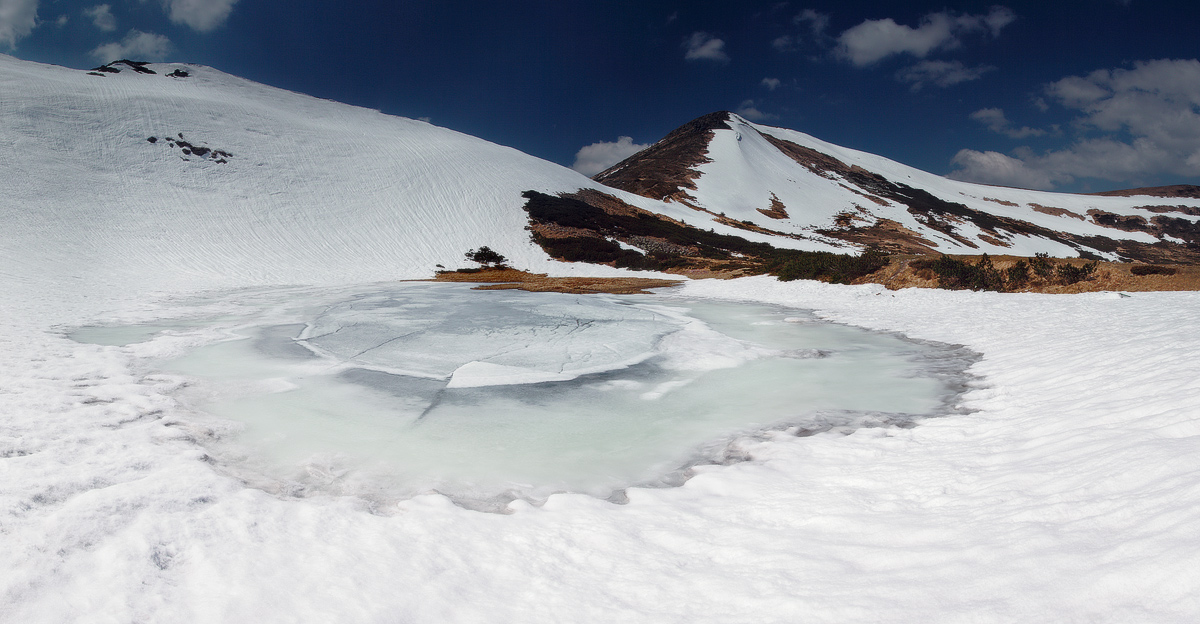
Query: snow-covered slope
point(1069, 492)
point(792, 183)
point(284, 187)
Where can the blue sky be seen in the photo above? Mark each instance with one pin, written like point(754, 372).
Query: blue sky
point(1073, 96)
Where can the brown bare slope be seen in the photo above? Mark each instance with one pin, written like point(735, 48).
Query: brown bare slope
point(663, 170)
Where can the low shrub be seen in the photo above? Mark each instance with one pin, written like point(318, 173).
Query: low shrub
point(1017, 275)
point(1152, 269)
point(1070, 274)
point(1041, 265)
point(829, 267)
point(485, 256)
point(955, 274)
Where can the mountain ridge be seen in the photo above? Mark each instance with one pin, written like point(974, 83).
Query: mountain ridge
point(791, 184)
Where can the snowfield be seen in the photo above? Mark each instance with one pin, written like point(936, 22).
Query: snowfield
point(1068, 491)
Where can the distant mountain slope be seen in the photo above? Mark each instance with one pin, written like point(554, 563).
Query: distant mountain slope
point(158, 175)
point(787, 182)
point(133, 176)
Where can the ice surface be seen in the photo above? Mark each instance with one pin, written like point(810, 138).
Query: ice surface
point(489, 395)
point(483, 338)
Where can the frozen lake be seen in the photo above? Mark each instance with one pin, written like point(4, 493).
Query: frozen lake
point(488, 396)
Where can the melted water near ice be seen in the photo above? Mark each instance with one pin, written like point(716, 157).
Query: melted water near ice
point(488, 396)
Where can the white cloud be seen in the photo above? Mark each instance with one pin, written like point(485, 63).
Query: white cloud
point(62, 20)
point(1135, 124)
point(200, 15)
point(136, 45)
point(817, 22)
point(784, 43)
point(17, 19)
point(996, 168)
point(874, 40)
point(703, 46)
point(940, 73)
point(995, 121)
point(594, 158)
point(770, 83)
point(750, 111)
point(102, 17)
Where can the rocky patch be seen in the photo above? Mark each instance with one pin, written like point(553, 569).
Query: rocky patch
point(191, 151)
point(1176, 190)
point(1187, 210)
point(140, 67)
point(137, 66)
point(1158, 225)
point(671, 245)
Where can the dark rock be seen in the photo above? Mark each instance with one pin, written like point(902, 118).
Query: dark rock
point(137, 66)
point(179, 73)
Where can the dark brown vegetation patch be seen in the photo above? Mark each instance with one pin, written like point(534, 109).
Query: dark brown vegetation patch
point(1187, 210)
point(1177, 190)
point(1057, 212)
point(695, 249)
point(958, 274)
point(1152, 269)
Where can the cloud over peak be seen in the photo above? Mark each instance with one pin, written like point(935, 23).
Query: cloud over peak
point(875, 40)
point(940, 73)
point(136, 45)
point(200, 15)
point(102, 17)
point(703, 46)
point(17, 19)
point(594, 158)
point(750, 110)
point(995, 121)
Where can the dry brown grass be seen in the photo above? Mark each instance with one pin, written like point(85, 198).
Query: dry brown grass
point(513, 279)
point(1109, 276)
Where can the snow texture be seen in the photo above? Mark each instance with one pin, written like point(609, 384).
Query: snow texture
point(1069, 493)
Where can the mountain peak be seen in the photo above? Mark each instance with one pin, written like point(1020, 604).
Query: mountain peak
point(788, 184)
point(663, 170)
